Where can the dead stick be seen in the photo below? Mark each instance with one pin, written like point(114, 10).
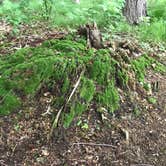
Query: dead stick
point(94, 144)
point(55, 123)
point(141, 165)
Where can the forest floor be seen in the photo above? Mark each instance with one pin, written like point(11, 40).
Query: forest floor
point(124, 139)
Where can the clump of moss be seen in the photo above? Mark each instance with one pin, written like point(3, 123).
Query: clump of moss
point(122, 78)
point(152, 100)
point(82, 100)
point(87, 89)
point(8, 101)
point(141, 64)
point(57, 64)
point(76, 110)
point(109, 97)
point(65, 46)
point(102, 67)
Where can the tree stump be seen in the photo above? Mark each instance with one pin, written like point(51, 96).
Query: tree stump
point(92, 34)
point(135, 10)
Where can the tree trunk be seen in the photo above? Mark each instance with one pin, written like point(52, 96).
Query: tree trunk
point(77, 1)
point(135, 10)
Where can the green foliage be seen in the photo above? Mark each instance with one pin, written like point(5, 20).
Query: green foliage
point(102, 67)
point(8, 101)
point(109, 98)
point(122, 77)
point(152, 100)
point(20, 11)
point(56, 65)
point(155, 31)
point(66, 13)
point(63, 13)
point(153, 27)
point(157, 9)
point(76, 110)
point(140, 65)
point(47, 4)
point(87, 89)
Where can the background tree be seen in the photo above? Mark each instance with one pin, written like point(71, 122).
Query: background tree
point(135, 10)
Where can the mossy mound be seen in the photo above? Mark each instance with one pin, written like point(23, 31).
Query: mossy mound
point(58, 63)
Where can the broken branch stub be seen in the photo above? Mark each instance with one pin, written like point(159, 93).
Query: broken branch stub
point(92, 34)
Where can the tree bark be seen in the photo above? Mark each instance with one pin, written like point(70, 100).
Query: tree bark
point(135, 10)
point(92, 34)
point(77, 1)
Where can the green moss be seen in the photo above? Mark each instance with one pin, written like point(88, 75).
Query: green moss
point(109, 97)
point(65, 45)
point(8, 101)
point(152, 100)
point(102, 67)
point(76, 110)
point(85, 93)
point(66, 85)
point(57, 64)
point(160, 68)
point(122, 77)
point(141, 64)
point(87, 89)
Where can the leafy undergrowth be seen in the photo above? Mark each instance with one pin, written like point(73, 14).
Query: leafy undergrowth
point(56, 65)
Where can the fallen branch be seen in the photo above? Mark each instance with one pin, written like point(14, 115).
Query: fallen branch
point(142, 165)
point(94, 144)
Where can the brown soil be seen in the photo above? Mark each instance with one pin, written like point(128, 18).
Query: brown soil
point(122, 139)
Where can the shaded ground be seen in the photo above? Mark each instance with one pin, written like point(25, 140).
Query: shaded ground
point(128, 138)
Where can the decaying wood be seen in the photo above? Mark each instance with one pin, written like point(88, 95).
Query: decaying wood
point(92, 34)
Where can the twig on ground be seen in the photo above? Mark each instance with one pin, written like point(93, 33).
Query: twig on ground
point(47, 111)
point(142, 165)
point(94, 144)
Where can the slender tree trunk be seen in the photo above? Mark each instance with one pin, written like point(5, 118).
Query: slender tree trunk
point(135, 10)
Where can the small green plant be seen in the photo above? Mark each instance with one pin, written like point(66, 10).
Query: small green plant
point(137, 111)
point(152, 100)
point(48, 5)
